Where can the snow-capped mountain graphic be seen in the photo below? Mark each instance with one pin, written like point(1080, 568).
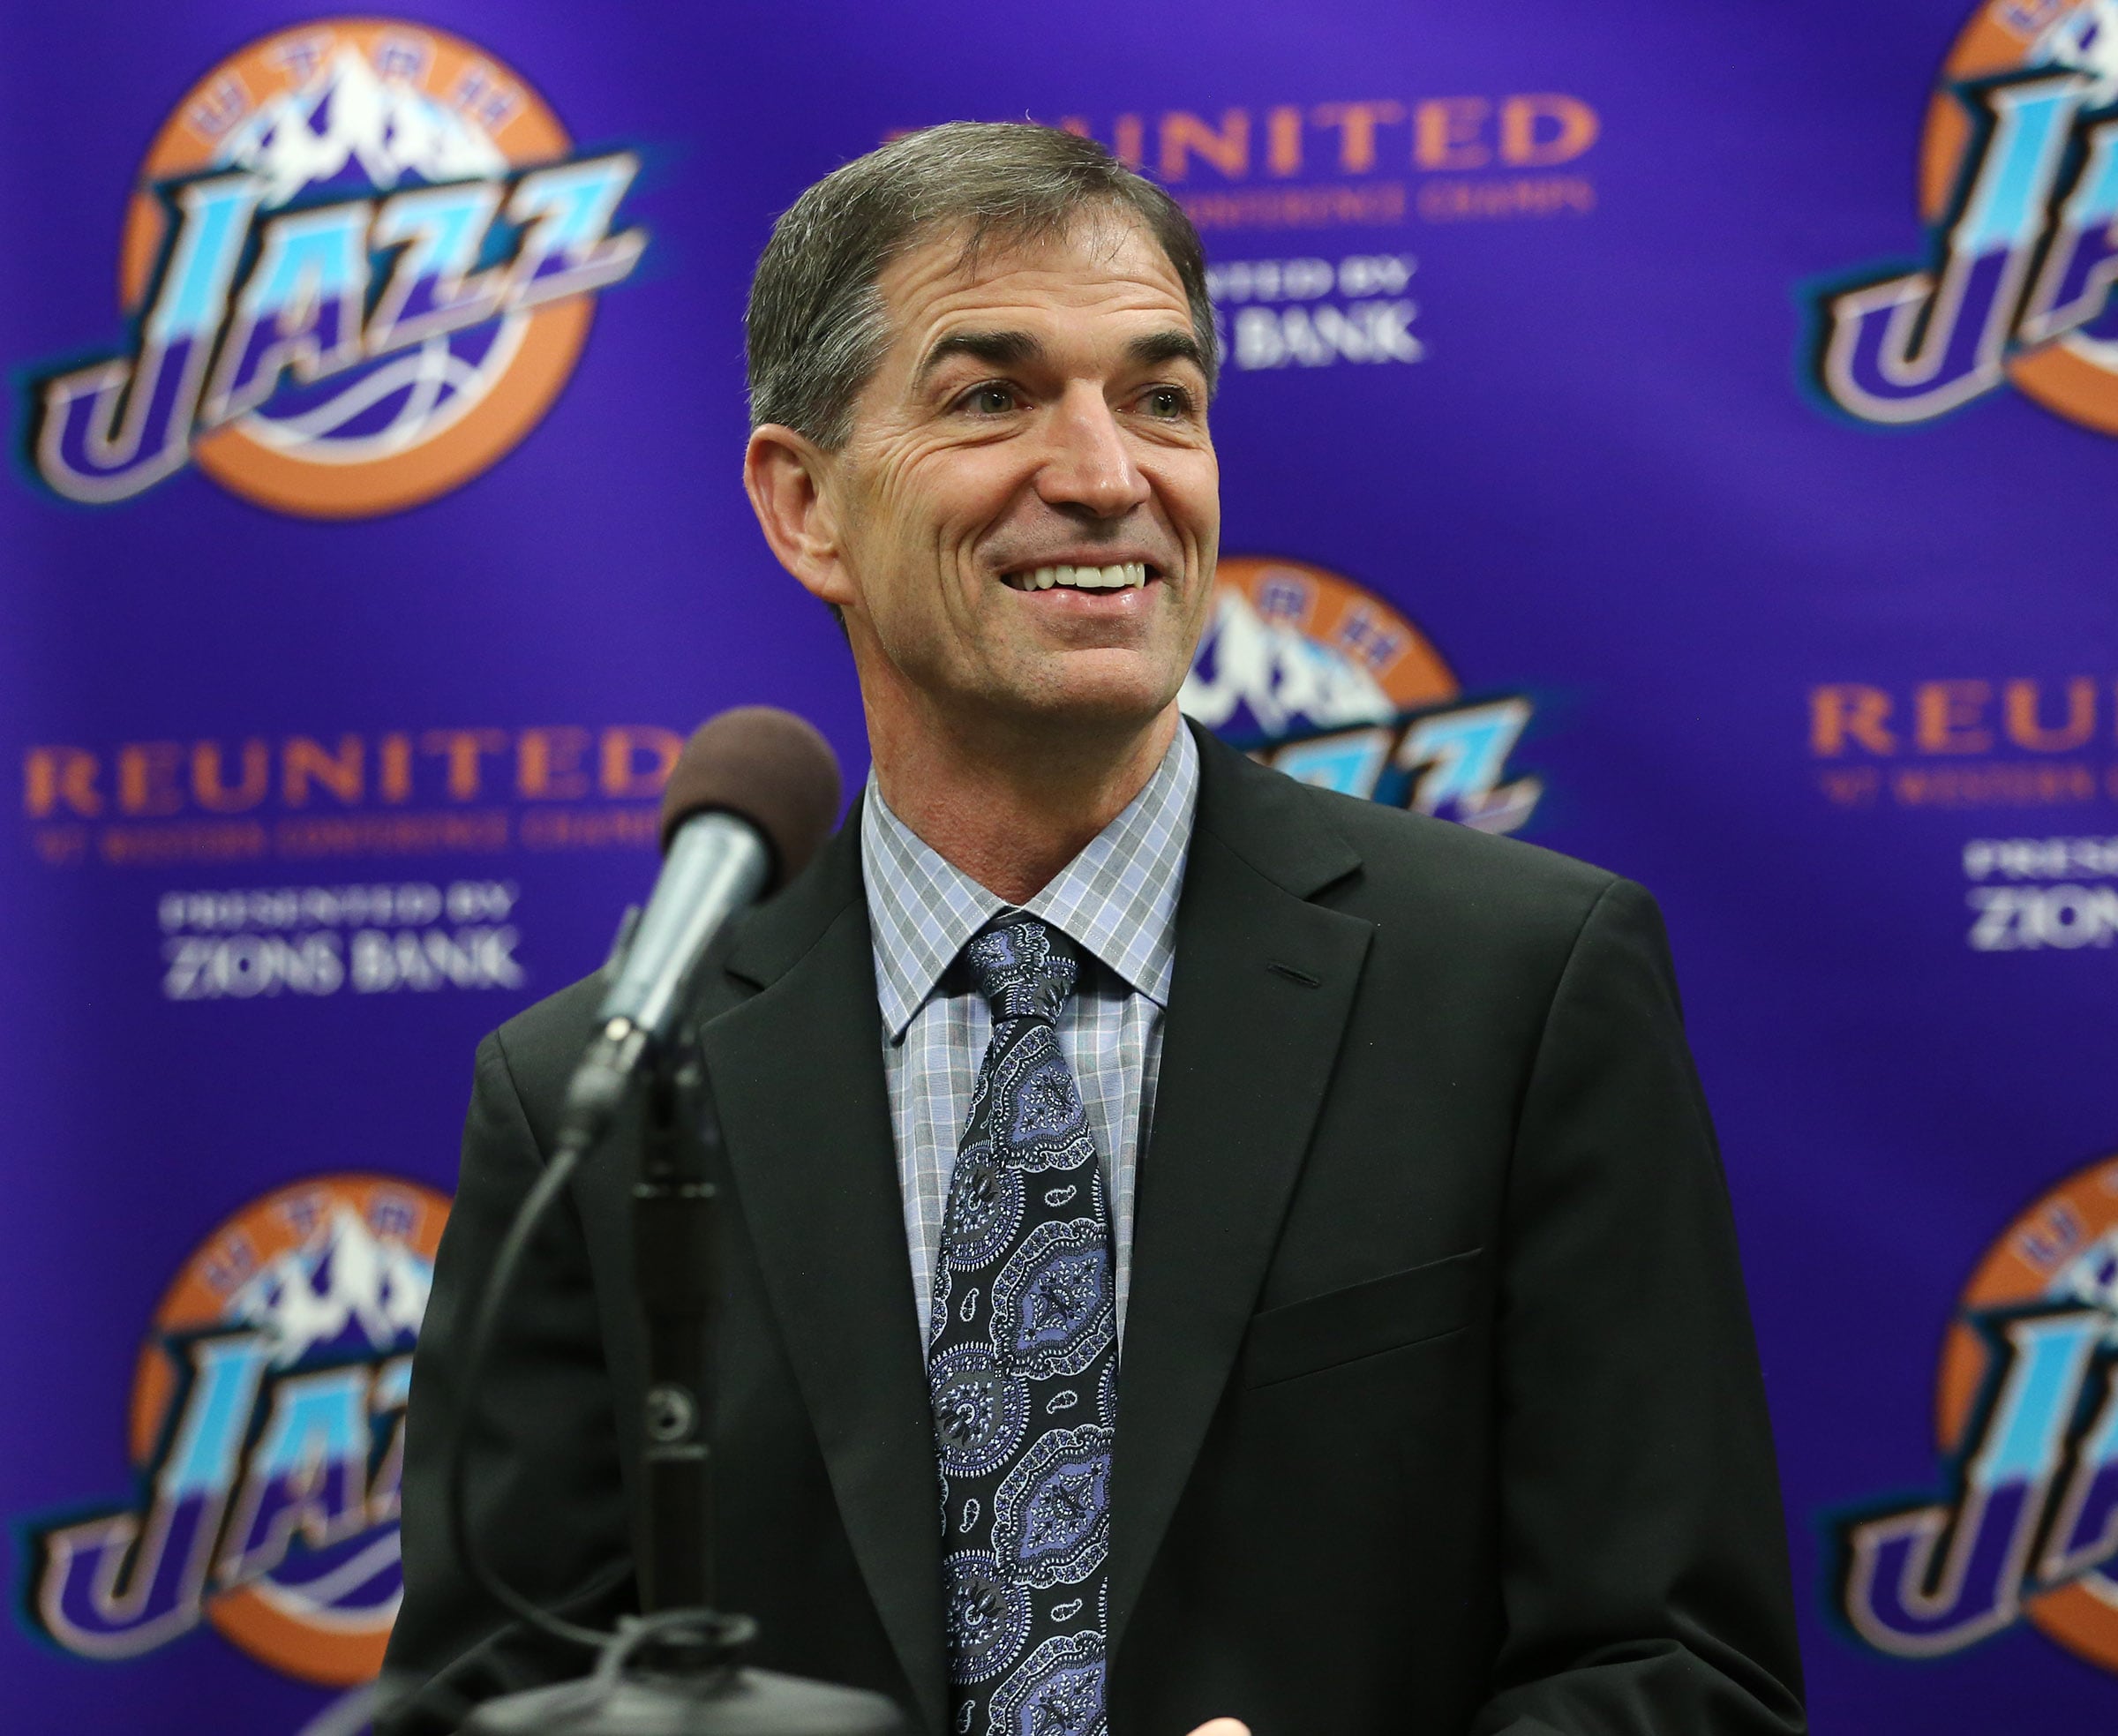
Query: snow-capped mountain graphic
point(346, 1290)
point(2091, 1279)
point(1255, 675)
point(350, 124)
point(2083, 39)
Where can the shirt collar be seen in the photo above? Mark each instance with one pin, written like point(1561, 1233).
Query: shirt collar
point(1116, 899)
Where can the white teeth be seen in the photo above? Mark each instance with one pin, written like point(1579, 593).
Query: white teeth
point(1124, 575)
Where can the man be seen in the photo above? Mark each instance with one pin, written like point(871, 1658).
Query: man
point(1288, 1231)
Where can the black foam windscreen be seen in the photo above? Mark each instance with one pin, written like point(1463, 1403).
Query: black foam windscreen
point(766, 766)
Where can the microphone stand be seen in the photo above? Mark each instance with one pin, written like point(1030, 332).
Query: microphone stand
point(677, 1670)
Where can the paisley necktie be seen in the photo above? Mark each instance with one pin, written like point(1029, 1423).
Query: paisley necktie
point(1023, 1362)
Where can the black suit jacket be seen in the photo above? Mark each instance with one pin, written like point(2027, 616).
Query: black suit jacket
point(1439, 1410)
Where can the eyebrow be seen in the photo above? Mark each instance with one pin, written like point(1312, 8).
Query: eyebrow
point(1014, 349)
point(1000, 349)
point(1159, 346)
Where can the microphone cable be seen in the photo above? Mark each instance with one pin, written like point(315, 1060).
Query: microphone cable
point(777, 775)
point(485, 1328)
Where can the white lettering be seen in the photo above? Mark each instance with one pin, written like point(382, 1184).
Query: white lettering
point(243, 967)
point(424, 960)
point(1321, 336)
point(2027, 919)
point(2041, 859)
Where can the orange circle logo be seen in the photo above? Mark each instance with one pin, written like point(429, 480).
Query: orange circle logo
point(1293, 647)
point(2018, 188)
point(361, 262)
point(2026, 1419)
point(1335, 685)
point(266, 1424)
point(2075, 374)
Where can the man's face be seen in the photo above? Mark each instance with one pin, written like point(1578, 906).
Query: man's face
point(1029, 503)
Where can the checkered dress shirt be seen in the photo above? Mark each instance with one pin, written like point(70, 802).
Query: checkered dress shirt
point(1117, 901)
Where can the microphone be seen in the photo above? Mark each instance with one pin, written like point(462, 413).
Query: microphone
point(750, 798)
point(752, 795)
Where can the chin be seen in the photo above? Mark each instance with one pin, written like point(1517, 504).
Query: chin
point(1101, 701)
point(1106, 691)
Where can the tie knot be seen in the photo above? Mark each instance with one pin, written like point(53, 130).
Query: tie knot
point(1025, 967)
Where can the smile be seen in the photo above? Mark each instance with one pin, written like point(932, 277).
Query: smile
point(1124, 576)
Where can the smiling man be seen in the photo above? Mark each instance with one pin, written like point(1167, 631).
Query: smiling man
point(1017, 521)
point(1200, 1247)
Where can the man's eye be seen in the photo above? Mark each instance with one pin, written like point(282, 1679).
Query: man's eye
point(1167, 401)
point(991, 398)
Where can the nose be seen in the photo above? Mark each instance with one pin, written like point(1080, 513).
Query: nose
point(1089, 466)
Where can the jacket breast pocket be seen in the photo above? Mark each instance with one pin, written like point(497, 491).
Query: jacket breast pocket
point(1321, 1331)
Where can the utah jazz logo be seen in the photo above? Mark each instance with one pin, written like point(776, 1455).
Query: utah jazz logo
point(267, 1427)
point(2018, 179)
point(360, 262)
point(1333, 685)
point(2026, 1527)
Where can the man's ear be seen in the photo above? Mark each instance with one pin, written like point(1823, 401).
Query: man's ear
point(788, 478)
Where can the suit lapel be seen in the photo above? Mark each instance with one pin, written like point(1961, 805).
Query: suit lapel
point(1264, 981)
point(797, 1072)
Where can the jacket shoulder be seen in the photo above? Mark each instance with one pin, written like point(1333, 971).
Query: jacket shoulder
point(1395, 838)
point(1369, 857)
point(536, 1051)
point(1473, 894)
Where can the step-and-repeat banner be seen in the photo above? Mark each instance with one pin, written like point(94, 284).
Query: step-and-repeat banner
point(1680, 435)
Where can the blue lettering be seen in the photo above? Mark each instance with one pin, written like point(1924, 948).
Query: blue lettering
point(1465, 754)
point(123, 1583)
point(105, 433)
point(300, 309)
point(1911, 347)
point(2085, 1533)
point(568, 249)
point(308, 1473)
point(430, 291)
point(109, 431)
point(2083, 262)
point(1933, 1579)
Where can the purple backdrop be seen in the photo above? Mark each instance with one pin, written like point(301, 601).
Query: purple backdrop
point(1679, 435)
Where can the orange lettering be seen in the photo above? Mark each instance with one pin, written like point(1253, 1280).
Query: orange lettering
point(623, 779)
point(146, 778)
point(1283, 141)
point(1356, 122)
point(2026, 728)
point(1837, 714)
point(1228, 150)
point(547, 763)
point(396, 775)
point(53, 775)
point(303, 759)
point(1575, 124)
point(1127, 141)
point(1445, 132)
point(1851, 785)
point(209, 788)
point(464, 750)
point(1948, 715)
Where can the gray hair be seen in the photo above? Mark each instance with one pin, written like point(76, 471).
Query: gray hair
point(816, 325)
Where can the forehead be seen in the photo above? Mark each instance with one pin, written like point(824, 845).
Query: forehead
point(1105, 267)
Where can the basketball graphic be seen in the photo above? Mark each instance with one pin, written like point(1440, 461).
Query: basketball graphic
point(1332, 684)
point(2026, 1420)
point(361, 261)
point(266, 1424)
